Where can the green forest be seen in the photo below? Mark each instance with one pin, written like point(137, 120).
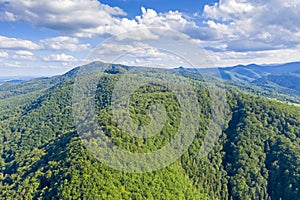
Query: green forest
point(42, 156)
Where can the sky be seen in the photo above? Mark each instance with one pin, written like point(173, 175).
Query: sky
point(45, 38)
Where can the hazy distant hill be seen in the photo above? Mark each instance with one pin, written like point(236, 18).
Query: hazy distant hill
point(275, 81)
point(282, 79)
point(14, 79)
point(258, 71)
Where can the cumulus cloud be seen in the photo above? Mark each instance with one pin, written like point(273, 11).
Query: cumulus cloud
point(78, 17)
point(23, 55)
point(175, 20)
point(15, 43)
point(231, 30)
point(60, 58)
point(135, 50)
point(255, 25)
point(65, 43)
point(269, 24)
point(231, 58)
point(85, 18)
point(226, 10)
point(143, 53)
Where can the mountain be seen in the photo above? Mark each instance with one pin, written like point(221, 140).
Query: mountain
point(43, 157)
point(280, 81)
point(14, 79)
point(254, 71)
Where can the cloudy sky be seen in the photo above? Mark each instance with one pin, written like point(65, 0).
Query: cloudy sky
point(43, 38)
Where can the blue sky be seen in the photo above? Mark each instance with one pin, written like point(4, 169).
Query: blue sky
point(44, 38)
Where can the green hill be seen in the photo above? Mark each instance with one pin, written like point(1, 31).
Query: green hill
point(42, 156)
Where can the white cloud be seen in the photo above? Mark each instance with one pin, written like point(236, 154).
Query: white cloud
point(85, 18)
point(255, 25)
point(231, 58)
point(3, 54)
point(14, 43)
point(234, 31)
point(226, 10)
point(136, 53)
point(270, 24)
point(13, 64)
point(60, 58)
point(65, 43)
point(174, 20)
point(135, 49)
point(24, 55)
point(78, 17)
point(7, 16)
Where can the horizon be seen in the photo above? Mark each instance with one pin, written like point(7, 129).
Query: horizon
point(29, 77)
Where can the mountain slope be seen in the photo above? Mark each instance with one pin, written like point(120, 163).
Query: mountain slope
point(42, 157)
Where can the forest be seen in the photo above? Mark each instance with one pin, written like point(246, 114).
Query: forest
point(42, 156)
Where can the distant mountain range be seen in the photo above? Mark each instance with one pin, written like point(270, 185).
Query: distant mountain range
point(280, 81)
point(14, 79)
point(254, 71)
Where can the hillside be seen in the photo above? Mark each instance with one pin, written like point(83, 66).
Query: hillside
point(42, 156)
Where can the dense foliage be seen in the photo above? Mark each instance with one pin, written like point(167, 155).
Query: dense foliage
point(42, 157)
